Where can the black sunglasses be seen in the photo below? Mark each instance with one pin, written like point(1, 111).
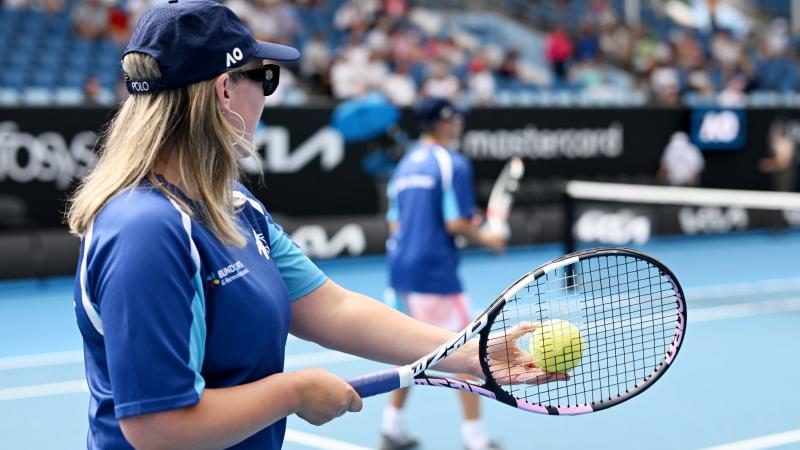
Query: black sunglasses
point(268, 75)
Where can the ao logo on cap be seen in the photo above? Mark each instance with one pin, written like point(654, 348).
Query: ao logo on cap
point(234, 57)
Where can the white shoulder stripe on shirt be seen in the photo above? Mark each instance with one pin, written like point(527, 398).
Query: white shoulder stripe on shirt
point(239, 196)
point(187, 226)
point(445, 166)
point(88, 307)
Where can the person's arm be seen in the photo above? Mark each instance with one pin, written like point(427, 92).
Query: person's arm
point(473, 232)
point(226, 416)
point(340, 319)
point(458, 210)
point(141, 277)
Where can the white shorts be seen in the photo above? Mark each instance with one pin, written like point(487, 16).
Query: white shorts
point(449, 311)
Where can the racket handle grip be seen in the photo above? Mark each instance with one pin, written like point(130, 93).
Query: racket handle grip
point(376, 383)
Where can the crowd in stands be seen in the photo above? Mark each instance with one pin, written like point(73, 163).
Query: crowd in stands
point(351, 47)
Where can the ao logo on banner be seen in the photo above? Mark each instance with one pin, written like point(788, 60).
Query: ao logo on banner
point(718, 128)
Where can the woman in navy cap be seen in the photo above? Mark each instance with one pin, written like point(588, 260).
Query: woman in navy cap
point(187, 288)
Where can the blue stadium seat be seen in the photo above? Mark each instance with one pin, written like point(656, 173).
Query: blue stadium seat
point(73, 78)
point(43, 78)
point(14, 79)
point(16, 59)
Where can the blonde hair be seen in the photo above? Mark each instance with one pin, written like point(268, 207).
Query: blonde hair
point(145, 131)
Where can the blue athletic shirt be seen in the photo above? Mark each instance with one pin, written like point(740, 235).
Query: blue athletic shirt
point(430, 186)
point(166, 310)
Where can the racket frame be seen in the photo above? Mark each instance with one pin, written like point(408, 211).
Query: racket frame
point(405, 376)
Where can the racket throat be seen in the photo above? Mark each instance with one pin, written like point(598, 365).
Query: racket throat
point(406, 375)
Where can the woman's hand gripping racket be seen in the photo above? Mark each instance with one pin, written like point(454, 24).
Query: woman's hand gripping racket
point(579, 334)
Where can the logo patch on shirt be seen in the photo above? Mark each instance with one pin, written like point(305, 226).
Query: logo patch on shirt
point(227, 274)
point(261, 243)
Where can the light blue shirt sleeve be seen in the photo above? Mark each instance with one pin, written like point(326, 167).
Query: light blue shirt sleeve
point(299, 273)
point(392, 214)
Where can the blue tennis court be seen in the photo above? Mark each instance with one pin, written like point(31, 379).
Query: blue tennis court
point(734, 382)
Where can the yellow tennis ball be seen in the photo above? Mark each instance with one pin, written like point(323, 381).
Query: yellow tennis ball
point(556, 346)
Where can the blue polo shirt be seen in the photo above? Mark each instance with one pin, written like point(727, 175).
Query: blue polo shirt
point(166, 310)
point(430, 187)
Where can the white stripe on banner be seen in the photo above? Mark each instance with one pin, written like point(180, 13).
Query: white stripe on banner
point(44, 390)
point(314, 441)
point(769, 441)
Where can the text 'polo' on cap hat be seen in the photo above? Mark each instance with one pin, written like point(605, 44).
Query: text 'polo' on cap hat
point(196, 40)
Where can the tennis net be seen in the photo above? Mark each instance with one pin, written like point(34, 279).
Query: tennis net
point(628, 214)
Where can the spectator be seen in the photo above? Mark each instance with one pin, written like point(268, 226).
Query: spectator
point(509, 70)
point(316, 60)
point(616, 43)
point(726, 49)
point(92, 92)
point(588, 46)
point(783, 162)
point(733, 95)
point(665, 85)
point(119, 28)
point(346, 79)
point(558, 49)
point(681, 163)
point(441, 83)
point(399, 86)
point(375, 71)
point(90, 19)
point(377, 39)
point(480, 82)
point(355, 13)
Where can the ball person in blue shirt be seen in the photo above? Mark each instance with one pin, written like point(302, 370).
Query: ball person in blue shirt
point(187, 288)
point(431, 201)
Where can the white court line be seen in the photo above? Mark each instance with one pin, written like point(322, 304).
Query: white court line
point(317, 359)
point(768, 441)
point(43, 390)
point(326, 357)
point(41, 359)
point(310, 440)
point(695, 315)
point(75, 357)
point(79, 386)
point(743, 289)
point(743, 310)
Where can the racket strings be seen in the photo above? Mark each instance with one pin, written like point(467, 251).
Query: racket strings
point(627, 314)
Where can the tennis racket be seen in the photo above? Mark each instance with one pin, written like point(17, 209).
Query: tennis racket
point(502, 197)
point(628, 307)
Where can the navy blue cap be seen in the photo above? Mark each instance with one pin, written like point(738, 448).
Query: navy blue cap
point(196, 40)
point(430, 110)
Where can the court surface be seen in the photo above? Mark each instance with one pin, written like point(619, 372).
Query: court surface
point(735, 381)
